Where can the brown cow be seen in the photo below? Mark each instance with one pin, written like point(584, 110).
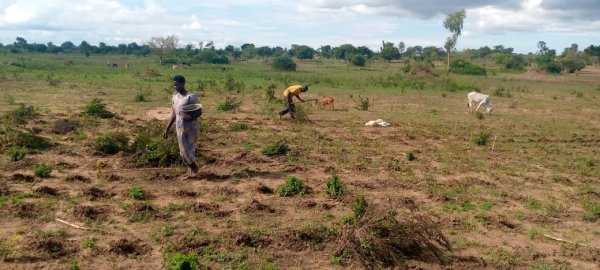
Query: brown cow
point(326, 101)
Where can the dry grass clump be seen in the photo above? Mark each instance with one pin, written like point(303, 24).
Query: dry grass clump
point(385, 238)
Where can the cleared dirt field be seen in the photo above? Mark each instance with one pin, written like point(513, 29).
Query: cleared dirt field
point(517, 189)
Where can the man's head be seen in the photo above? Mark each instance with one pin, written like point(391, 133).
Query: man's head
point(179, 82)
point(304, 88)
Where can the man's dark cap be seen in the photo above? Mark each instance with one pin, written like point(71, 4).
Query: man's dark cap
point(179, 79)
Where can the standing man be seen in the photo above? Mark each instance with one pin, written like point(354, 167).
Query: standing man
point(186, 126)
point(289, 93)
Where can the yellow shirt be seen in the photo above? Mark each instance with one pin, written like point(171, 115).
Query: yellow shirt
point(294, 90)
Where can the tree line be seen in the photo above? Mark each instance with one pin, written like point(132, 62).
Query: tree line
point(169, 51)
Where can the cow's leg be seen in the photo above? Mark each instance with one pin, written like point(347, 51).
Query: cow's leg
point(480, 103)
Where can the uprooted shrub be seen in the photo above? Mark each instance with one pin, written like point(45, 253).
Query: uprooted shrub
point(335, 187)
point(17, 153)
point(149, 149)
point(32, 141)
point(384, 238)
point(279, 148)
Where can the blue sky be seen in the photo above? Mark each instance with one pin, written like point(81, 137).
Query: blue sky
point(513, 23)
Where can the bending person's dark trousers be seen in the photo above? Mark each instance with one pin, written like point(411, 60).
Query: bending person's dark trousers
point(290, 108)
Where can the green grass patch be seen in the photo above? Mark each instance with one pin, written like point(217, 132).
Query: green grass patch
point(42, 170)
point(292, 186)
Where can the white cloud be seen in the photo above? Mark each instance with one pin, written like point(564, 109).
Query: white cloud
point(16, 13)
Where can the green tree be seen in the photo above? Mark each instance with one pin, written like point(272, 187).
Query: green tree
point(401, 48)
point(248, 50)
point(454, 24)
point(344, 51)
point(326, 51)
point(302, 52)
point(389, 52)
point(593, 52)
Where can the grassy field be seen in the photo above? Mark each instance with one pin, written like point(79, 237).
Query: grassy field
point(517, 189)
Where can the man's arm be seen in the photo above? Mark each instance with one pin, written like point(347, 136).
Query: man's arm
point(298, 97)
point(171, 121)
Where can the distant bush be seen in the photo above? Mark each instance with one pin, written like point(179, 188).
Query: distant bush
point(358, 60)
point(17, 153)
point(182, 261)
point(463, 67)
point(280, 148)
point(410, 156)
point(97, 108)
point(42, 170)
point(149, 149)
point(229, 104)
point(283, 63)
point(211, 57)
point(291, 187)
point(335, 187)
point(502, 92)
point(111, 143)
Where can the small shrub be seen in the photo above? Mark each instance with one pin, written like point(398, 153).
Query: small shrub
point(482, 138)
point(17, 153)
point(410, 156)
point(97, 108)
point(238, 126)
point(89, 242)
point(364, 103)
point(479, 115)
point(42, 170)
point(229, 104)
point(359, 207)
point(21, 114)
point(358, 60)
point(291, 187)
point(270, 92)
point(280, 148)
point(283, 63)
point(142, 95)
point(136, 193)
point(182, 261)
point(231, 84)
point(74, 266)
point(335, 187)
point(111, 143)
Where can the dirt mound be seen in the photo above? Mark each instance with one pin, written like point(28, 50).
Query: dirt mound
point(25, 210)
point(211, 209)
point(248, 240)
point(64, 126)
point(88, 212)
point(535, 74)
point(77, 178)
point(46, 191)
point(128, 247)
point(95, 193)
point(256, 206)
point(22, 177)
point(185, 193)
point(51, 246)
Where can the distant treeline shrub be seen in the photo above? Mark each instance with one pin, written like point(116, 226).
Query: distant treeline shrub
point(463, 67)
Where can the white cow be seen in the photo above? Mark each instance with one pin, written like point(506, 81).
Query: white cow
point(174, 67)
point(479, 99)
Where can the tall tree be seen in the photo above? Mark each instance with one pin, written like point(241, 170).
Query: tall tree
point(401, 47)
point(389, 52)
point(454, 24)
point(163, 46)
point(594, 52)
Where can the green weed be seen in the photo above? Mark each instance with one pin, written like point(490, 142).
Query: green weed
point(137, 193)
point(279, 148)
point(97, 108)
point(229, 104)
point(183, 261)
point(42, 170)
point(482, 138)
point(111, 143)
point(359, 207)
point(335, 187)
point(292, 186)
point(17, 153)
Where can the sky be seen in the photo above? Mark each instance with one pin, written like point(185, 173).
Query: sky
point(519, 24)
